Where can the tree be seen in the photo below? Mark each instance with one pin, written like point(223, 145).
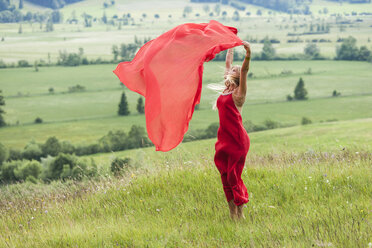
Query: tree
point(217, 9)
point(127, 51)
point(300, 92)
point(312, 50)
point(115, 52)
point(364, 54)
point(206, 9)
point(123, 105)
point(140, 106)
point(305, 121)
point(20, 4)
point(104, 18)
point(20, 29)
point(268, 51)
point(348, 49)
point(51, 147)
point(4, 154)
point(187, 10)
point(2, 102)
point(49, 26)
point(35, 66)
point(236, 16)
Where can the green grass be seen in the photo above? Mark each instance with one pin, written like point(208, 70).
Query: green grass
point(298, 198)
point(320, 137)
point(35, 44)
point(85, 117)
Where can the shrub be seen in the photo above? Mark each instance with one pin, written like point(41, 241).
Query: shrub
point(61, 166)
point(114, 141)
point(137, 137)
point(4, 153)
point(32, 151)
point(270, 124)
point(23, 63)
point(211, 131)
point(76, 88)
point(31, 179)
point(26, 169)
point(289, 97)
point(14, 154)
point(51, 146)
point(335, 93)
point(67, 147)
point(305, 121)
point(7, 171)
point(38, 120)
point(251, 127)
point(119, 165)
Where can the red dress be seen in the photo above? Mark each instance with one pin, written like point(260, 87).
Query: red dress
point(231, 150)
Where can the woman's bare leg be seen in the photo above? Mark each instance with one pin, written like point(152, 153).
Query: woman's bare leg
point(233, 210)
point(240, 213)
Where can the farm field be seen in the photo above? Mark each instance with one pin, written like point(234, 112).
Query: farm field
point(86, 116)
point(34, 44)
point(307, 187)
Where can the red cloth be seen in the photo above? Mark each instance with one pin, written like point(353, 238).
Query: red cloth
point(168, 72)
point(231, 150)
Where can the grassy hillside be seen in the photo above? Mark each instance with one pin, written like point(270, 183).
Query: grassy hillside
point(297, 198)
point(321, 137)
point(85, 117)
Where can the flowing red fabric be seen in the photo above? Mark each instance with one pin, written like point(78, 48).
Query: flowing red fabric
point(168, 72)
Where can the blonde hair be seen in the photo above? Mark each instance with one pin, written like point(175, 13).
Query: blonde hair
point(219, 87)
point(233, 78)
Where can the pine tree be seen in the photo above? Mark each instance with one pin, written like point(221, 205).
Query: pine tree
point(140, 106)
point(20, 4)
point(2, 102)
point(123, 105)
point(300, 92)
point(268, 51)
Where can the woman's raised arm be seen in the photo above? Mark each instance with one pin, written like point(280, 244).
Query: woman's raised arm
point(242, 89)
point(229, 60)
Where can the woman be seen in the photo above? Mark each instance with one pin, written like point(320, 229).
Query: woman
point(232, 140)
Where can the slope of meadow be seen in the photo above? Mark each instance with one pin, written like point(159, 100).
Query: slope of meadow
point(298, 197)
point(83, 117)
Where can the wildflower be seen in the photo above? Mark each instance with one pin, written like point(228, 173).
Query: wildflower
point(158, 210)
point(133, 175)
point(305, 188)
point(46, 211)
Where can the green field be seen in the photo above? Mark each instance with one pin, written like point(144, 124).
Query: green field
point(308, 186)
point(35, 44)
point(85, 117)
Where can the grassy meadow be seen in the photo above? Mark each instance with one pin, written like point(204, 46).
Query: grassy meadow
point(305, 190)
point(309, 185)
point(83, 117)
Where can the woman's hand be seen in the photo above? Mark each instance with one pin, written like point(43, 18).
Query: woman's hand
point(247, 48)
